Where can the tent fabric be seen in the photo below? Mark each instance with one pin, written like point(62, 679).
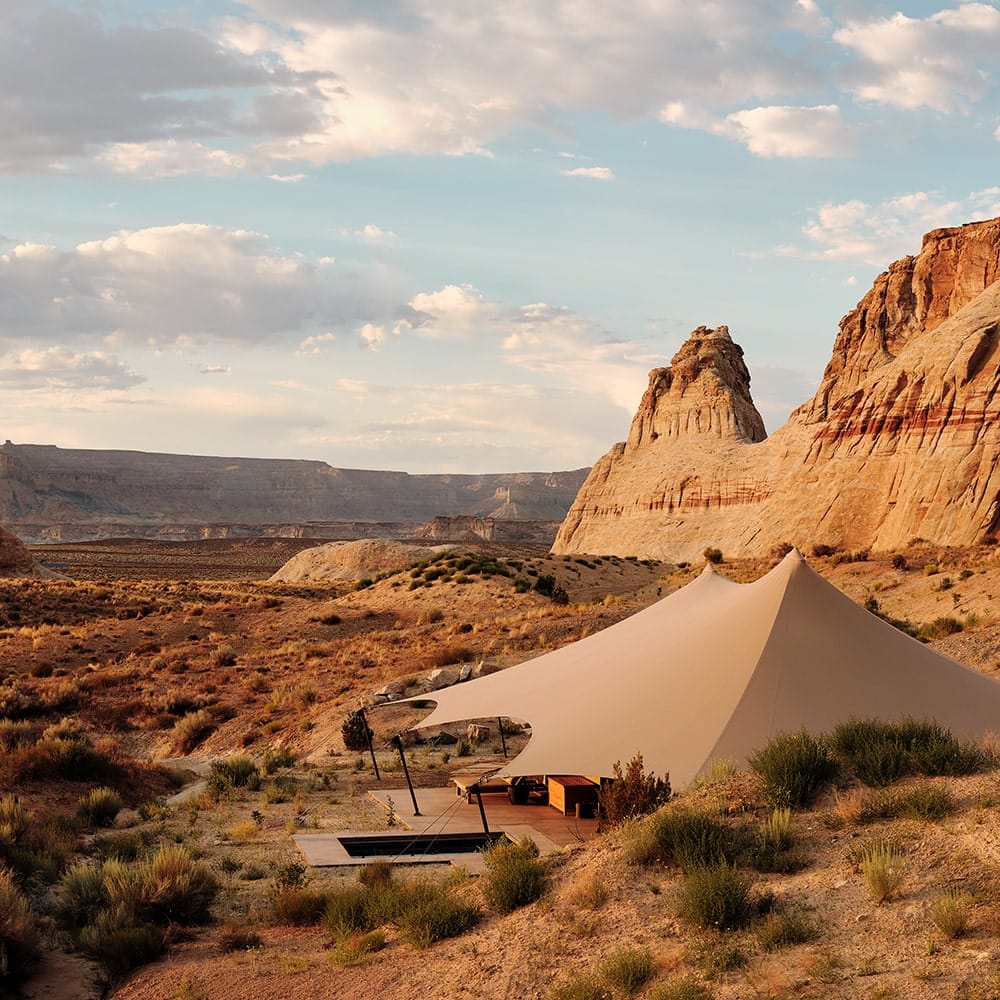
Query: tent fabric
point(712, 672)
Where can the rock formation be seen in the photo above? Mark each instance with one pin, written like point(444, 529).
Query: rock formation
point(901, 440)
point(49, 493)
point(16, 560)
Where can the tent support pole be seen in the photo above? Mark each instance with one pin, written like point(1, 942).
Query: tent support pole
point(398, 741)
point(482, 811)
point(368, 738)
point(503, 741)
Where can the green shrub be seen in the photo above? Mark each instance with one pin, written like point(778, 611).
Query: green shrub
point(689, 839)
point(633, 792)
point(19, 941)
point(951, 913)
point(356, 732)
point(875, 750)
point(299, 907)
point(174, 888)
point(81, 893)
point(120, 942)
point(776, 830)
point(780, 929)
point(771, 845)
point(628, 970)
point(583, 986)
point(275, 760)
point(124, 845)
point(793, 767)
point(881, 864)
point(514, 876)
point(350, 910)
point(432, 913)
point(16, 733)
point(716, 896)
point(99, 807)
point(925, 801)
point(680, 989)
point(233, 772)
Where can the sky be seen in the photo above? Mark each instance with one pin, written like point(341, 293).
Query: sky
point(456, 235)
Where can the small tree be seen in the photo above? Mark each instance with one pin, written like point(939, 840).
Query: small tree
point(356, 731)
point(633, 792)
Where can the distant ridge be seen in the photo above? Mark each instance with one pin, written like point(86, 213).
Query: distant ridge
point(49, 493)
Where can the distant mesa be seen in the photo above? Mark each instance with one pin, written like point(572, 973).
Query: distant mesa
point(901, 440)
point(50, 494)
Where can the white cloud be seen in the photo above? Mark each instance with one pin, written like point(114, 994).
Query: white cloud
point(942, 61)
point(170, 158)
point(372, 336)
point(775, 131)
point(595, 173)
point(451, 312)
point(215, 370)
point(286, 178)
point(315, 345)
point(882, 232)
point(370, 233)
point(59, 368)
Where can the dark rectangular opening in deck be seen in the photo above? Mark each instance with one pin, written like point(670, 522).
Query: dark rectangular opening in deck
point(425, 844)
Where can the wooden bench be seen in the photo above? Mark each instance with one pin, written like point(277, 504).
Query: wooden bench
point(464, 783)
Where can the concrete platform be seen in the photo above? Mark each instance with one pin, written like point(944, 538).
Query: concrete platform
point(443, 811)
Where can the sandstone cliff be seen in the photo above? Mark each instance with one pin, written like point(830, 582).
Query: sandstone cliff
point(901, 440)
point(48, 493)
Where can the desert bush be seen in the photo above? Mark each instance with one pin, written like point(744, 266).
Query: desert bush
point(951, 912)
point(80, 894)
point(821, 549)
point(782, 928)
point(223, 656)
point(925, 801)
point(713, 555)
point(125, 845)
point(237, 937)
point(770, 848)
point(776, 830)
point(275, 760)
point(356, 732)
point(690, 839)
point(881, 865)
point(627, 970)
point(582, 986)
point(716, 896)
point(299, 906)
point(633, 792)
point(169, 888)
point(376, 874)
point(875, 750)
point(190, 730)
point(17, 733)
point(514, 875)
point(357, 949)
point(899, 561)
point(120, 942)
point(793, 767)
point(680, 989)
point(99, 806)
point(935, 751)
point(432, 913)
point(19, 940)
point(351, 909)
point(233, 772)
point(942, 626)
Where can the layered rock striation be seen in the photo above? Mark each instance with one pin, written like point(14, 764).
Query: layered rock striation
point(901, 440)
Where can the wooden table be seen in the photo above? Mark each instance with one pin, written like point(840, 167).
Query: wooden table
point(566, 791)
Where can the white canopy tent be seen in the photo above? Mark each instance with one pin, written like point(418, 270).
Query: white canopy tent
point(713, 671)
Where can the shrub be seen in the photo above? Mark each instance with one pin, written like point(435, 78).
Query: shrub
point(776, 831)
point(874, 749)
point(821, 549)
point(357, 949)
point(236, 937)
point(792, 767)
point(299, 906)
point(223, 656)
point(16, 733)
point(881, 864)
point(125, 846)
point(349, 910)
point(770, 849)
point(690, 839)
point(951, 912)
point(121, 943)
point(713, 555)
point(514, 875)
point(356, 732)
point(274, 760)
point(633, 792)
point(233, 772)
point(18, 934)
point(780, 929)
point(174, 888)
point(941, 627)
point(628, 970)
point(680, 989)
point(583, 986)
point(80, 894)
point(716, 896)
point(190, 730)
point(99, 807)
point(432, 913)
point(924, 801)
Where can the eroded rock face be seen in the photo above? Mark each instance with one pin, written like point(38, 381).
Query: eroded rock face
point(15, 559)
point(902, 438)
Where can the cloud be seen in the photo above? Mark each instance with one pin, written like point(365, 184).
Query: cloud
point(942, 61)
point(215, 370)
point(315, 345)
point(370, 233)
point(885, 231)
point(59, 368)
point(775, 131)
point(595, 173)
point(170, 158)
point(182, 284)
